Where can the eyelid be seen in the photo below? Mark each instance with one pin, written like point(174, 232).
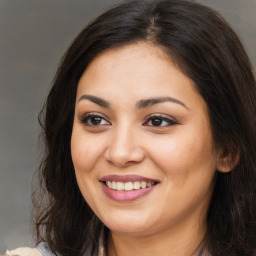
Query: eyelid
point(82, 118)
point(169, 120)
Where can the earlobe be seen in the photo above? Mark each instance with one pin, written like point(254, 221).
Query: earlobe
point(227, 162)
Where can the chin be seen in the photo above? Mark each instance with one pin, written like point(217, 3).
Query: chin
point(127, 228)
point(128, 223)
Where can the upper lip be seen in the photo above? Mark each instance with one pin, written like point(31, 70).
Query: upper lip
point(126, 178)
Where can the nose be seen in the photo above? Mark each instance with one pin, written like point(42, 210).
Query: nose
point(124, 148)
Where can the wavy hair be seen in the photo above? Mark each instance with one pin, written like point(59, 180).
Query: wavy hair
point(206, 49)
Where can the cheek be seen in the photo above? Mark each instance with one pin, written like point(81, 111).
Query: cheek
point(185, 155)
point(84, 154)
point(188, 167)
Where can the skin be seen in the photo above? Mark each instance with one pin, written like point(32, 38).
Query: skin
point(171, 219)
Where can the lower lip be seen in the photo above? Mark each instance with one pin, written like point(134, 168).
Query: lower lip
point(126, 196)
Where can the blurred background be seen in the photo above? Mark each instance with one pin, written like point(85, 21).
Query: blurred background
point(34, 34)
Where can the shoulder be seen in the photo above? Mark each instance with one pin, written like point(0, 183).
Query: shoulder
point(41, 250)
point(24, 251)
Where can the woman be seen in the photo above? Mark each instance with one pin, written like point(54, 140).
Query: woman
point(150, 138)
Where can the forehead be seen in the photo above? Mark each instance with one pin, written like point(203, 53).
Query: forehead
point(125, 58)
point(140, 70)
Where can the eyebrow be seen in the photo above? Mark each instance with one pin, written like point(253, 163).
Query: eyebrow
point(97, 100)
point(152, 101)
point(140, 104)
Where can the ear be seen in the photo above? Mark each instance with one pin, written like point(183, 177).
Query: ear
point(227, 161)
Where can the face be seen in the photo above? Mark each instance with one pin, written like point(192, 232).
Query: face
point(141, 143)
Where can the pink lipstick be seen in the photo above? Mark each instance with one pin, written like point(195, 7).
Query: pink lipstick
point(125, 188)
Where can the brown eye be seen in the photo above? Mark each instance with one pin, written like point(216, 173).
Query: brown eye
point(156, 122)
point(159, 121)
point(94, 120)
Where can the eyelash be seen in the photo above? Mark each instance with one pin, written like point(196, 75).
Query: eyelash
point(87, 120)
point(160, 118)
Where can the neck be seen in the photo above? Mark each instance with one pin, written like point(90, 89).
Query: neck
point(184, 241)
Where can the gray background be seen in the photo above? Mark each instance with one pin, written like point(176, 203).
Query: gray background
point(33, 36)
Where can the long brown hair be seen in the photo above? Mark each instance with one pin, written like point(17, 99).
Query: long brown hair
point(208, 51)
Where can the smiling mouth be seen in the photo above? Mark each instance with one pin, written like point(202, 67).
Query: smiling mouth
point(129, 186)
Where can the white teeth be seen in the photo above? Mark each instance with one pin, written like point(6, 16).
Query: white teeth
point(109, 184)
point(149, 184)
point(136, 185)
point(128, 186)
point(120, 185)
point(143, 184)
point(113, 185)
